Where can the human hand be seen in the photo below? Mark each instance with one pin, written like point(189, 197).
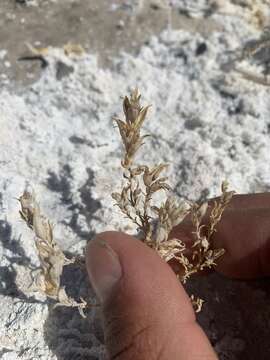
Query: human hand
point(244, 232)
point(147, 313)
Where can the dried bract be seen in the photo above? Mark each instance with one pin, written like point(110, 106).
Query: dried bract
point(130, 128)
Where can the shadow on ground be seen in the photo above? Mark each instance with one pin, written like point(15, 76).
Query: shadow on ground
point(8, 286)
point(235, 316)
point(88, 206)
point(68, 335)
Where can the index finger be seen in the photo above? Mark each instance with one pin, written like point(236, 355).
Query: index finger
point(244, 233)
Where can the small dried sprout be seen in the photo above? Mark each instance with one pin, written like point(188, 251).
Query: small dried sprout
point(154, 221)
point(52, 258)
point(254, 48)
point(73, 49)
point(70, 49)
point(258, 50)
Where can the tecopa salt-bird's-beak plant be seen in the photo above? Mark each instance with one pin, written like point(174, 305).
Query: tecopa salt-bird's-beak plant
point(52, 258)
point(156, 221)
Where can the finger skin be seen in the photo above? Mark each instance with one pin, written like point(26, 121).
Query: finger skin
point(249, 201)
point(149, 315)
point(244, 232)
point(245, 235)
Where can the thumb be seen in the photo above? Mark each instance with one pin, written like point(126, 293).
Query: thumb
point(147, 313)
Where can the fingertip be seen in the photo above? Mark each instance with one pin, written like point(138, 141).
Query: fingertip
point(147, 312)
point(142, 269)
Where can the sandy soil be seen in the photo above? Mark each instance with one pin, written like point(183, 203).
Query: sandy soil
point(101, 27)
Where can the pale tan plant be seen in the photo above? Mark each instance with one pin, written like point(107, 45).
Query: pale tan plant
point(156, 221)
point(52, 258)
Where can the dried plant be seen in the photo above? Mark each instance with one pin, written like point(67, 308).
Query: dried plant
point(255, 47)
point(154, 221)
point(41, 54)
point(52, 258)
point(257, 51)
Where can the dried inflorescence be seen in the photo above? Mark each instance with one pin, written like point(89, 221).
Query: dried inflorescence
point(52, 259)
point(154, 221)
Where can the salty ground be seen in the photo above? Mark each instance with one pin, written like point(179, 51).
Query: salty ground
point(209, 120)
